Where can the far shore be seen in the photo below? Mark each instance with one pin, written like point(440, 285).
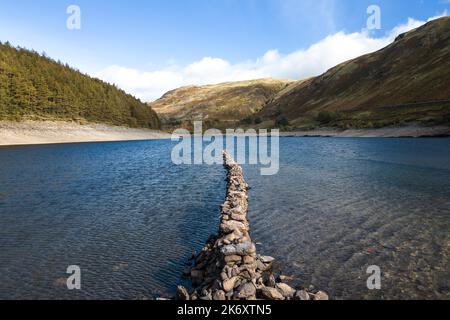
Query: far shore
point(388, 132)
point(57, 132)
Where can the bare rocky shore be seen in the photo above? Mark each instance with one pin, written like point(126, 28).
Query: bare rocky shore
point(229, 267)
point(388, 132)
point(49, 132)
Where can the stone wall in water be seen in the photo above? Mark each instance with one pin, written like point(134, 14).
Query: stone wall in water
point(228, 267)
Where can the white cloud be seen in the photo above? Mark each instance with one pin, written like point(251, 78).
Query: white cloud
point(334, 49)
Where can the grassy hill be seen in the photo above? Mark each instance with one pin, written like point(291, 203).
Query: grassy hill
point(406, 82)
point(221, 105)
point(35, 87)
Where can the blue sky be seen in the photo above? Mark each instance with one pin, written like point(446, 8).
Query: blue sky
point(150, 38)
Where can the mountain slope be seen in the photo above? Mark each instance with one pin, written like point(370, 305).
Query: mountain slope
point(35, 87)
point(221, 104)
point(406, 82)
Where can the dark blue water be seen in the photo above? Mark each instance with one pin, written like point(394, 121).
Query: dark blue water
point(121, 211)
point(130, 218)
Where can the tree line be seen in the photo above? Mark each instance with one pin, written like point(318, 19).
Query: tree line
point(33, 86)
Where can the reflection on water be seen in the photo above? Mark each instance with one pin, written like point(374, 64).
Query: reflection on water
point(130, 218)
point(340, 205)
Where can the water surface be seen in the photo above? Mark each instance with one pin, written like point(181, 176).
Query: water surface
point(339, 206)
point(121, 211)
point(130, 218)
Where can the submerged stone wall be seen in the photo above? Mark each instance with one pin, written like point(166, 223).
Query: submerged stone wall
point(228, 267)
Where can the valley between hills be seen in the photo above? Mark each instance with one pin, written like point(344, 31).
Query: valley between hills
point(400, 90)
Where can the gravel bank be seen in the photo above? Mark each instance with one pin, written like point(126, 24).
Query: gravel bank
point(390, 132)
point(49, 132)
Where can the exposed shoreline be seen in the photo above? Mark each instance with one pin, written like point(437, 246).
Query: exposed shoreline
point(56, 132)
point(59, 132)
point(411, 131)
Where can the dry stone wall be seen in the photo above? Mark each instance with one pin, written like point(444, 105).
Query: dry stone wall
point(228, 267)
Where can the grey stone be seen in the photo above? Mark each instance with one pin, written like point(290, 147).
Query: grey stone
point(302, 295)
point(219, 295)
point(182, 293)
point(266, 259)
point(285, 290)
point(228, 284)
point(246, 291)
point(321, 296)
point(269, 280)
point(231, 226)
point(233, 258)
point(241, 249)
point(271, 294)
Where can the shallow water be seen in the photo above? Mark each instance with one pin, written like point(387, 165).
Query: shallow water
point(338, 206)
point(130, 218)
point(121, 211)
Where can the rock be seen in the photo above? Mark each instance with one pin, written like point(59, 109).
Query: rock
point(228, 285)
point(219, 295)
point(194, 296)
point(238, 217)
point(302, 295)
point(269, 280)
point(207, 296)
point(232, 258)
point(232, 236)
point(228, 267)
point(235, 271)
point(285, 290)
point(246, 291)
point(271, 294)
point(266, 259)
point(238, 210)
point(249, 260)
point(228, 270)
point(232, 225)
point(321, 296)
point(283, 278)
point(261, 266)
point(182, 293)
point(246, 275)
point(241, 249)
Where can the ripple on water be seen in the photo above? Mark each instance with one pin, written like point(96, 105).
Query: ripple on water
point(130, 218)
point(339, 206)
point(121, 211)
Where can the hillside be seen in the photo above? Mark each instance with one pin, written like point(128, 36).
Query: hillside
point(220, 105)
point(34, 87)
point(406, 82)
